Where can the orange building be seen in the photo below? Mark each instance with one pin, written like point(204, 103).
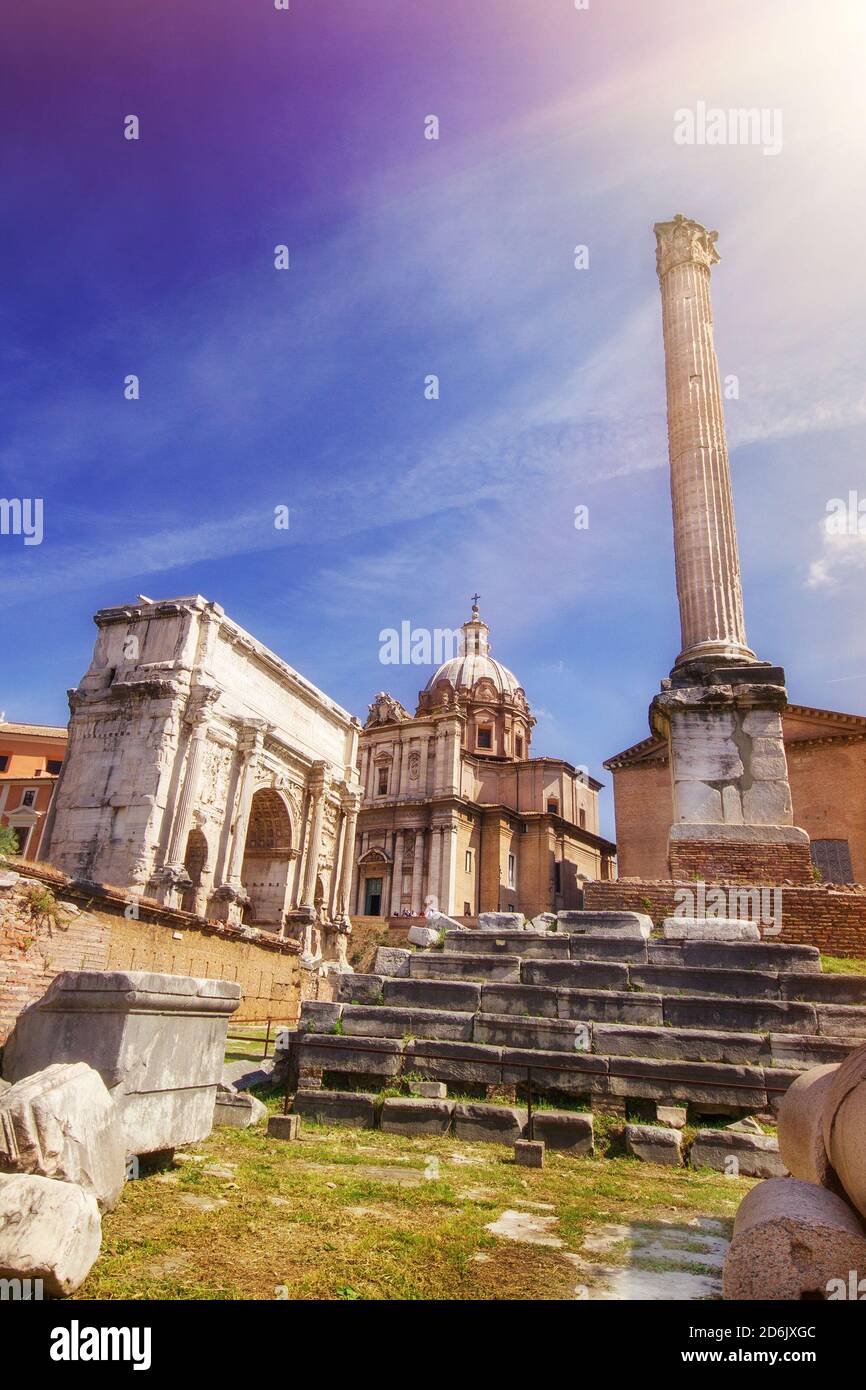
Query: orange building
point(31, 756)
point(826, 756)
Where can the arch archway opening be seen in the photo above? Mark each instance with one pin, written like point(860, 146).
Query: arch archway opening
point(267, 859)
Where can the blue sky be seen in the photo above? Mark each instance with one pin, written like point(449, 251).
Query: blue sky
point(409, 257)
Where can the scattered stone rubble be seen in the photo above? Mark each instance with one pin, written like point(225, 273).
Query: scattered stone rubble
point(157, 1041)
point(104, 1066)
point(62, 1123)
point(803, 1237)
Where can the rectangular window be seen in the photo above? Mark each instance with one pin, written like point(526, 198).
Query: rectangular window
point(467, 909)
point(512, 866)
point(833, 859)
point(553, 806)
point(469, 861)
point(4, 762)
point(383, 781)
point(28, 796)
point(53, 766)
point(484, 738)
point(557, 877)
point(518, 747)
point(582, 819)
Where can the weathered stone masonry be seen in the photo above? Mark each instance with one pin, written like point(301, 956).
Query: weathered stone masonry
point(207, 773)
point(269, 970)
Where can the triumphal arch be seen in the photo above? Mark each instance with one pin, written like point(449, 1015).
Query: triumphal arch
point(206, 772)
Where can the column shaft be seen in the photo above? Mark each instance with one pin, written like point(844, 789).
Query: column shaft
point(418, 873)
point(705, 541)
point(318, 784)
point(397, 876)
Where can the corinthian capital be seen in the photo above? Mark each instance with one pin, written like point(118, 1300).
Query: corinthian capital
point(683, 241)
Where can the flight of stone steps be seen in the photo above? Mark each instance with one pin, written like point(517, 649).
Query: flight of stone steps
point(603, 1016)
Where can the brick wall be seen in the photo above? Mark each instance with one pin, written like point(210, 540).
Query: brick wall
point(29, 963)
point(740, 863)
point(831, 918)
point(101, 937)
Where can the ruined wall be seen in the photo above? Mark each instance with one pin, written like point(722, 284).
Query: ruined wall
point(833, 918)
point(270, 981)
point(29, 961)
point(101, 938)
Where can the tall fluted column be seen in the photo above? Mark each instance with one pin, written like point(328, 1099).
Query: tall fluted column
point(350, 824)
point(434, 868)
point(418, 873)
point(705, 539)
point(251, 746)
point(397, 876)
point(189, 793)
point(448, 872)
point(318, 784)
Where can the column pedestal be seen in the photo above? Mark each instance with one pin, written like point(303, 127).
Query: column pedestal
point(733, 817)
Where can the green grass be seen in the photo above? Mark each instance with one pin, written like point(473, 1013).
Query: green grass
point(347, 1214)
point(843, 965)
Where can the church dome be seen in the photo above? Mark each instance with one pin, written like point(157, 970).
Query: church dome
point(465, 670)
point(475, 663)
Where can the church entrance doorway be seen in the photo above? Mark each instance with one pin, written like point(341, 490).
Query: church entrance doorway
point(373, 898)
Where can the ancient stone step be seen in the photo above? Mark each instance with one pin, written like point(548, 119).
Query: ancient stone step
point(576, 974)
point(734, 955)
point(360, 989)
point(439, 966)
point(583, 1005)
point(739, 1015)
point(504, 1030)
point(824, 989)
point(409, 1115)
point(655, 1144)
point(381, 1057)
point(555, 1071)
point(737, 1154)
point(432, 994)
point(623, 949)
point(530, 1001)
point(337, 1107)
point(529, 945)
point(615, 923)
point(609, 1006)
point(456, 1064)
point(803, 1050)
point(681, 1044)
point(840, 1020)
point(568, 1131)
point(687, 979)
point(718, 1086)
point(381, 1021)
point(501, 1124)
point(709, 1084)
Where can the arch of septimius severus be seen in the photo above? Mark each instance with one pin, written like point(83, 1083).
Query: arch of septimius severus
point(206, 772)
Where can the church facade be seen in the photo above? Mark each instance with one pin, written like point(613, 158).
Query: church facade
point(456, 814)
